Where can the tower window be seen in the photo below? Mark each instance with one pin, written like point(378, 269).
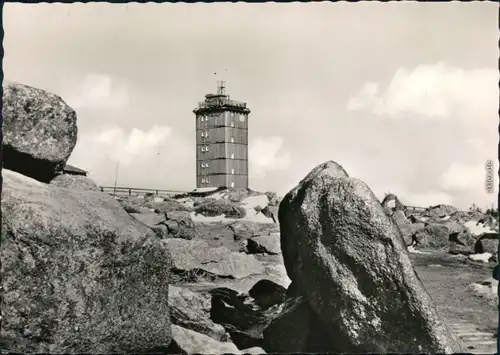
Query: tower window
point(232, 139)
point(206, 148)
point(232, 124)
point(232, 155)
point(202, 148)
point(232, 171)
point(207, 179)
point(203, 180)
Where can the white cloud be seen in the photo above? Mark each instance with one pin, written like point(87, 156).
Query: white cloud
point(156, 158)
point(434, 91)
point(96, 91)
point(464, 177)
point(265, 156)
point(365, 96)
point(127, 147)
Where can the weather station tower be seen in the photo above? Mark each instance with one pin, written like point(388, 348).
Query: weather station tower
point(221, 141)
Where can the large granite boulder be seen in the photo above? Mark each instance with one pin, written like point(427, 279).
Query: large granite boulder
point(79, 275)
point(39, 131)
point(74, 182)
point(345, 254)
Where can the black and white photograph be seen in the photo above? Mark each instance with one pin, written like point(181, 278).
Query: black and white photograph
point(250, 178)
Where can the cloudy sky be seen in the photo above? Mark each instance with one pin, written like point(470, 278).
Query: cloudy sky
point(403, 95)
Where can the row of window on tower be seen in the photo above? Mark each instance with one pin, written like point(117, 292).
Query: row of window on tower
point(206, 148)
point(205, 180)
point(234, 115)
point(204, 134)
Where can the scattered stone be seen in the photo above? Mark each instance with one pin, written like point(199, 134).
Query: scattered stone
point(190, 342)
point(267, 293)
point(167, 205)
point(439, 235)
point(440, 211)
point(466, 216)
point(241, 317)
point(236, 194)
point(191, 310)
point(273, 198)
point(130, 209)
point(179, 224)
point(487, 289)
point(270, 212)
point(39, 132)
point(76, 269)
point(339, 246)
point(244, 229)
point(228, 307)
point(487, 243)
point(213, 208)
point(406, 225)
point(391, 203)
point(269, 244)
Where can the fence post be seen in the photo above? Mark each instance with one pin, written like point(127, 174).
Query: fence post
point(102, 189)
point(129, 192)
point(156, 192)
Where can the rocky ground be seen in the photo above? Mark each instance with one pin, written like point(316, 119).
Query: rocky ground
point(326, 268)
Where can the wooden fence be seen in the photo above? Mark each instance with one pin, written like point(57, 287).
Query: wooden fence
point(129, 191)
point(415, 208)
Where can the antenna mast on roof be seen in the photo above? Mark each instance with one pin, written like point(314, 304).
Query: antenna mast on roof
point(221, 88)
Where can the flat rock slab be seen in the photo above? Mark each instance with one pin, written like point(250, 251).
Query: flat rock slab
point(269, 244)
point(195, 254)
point(192, 342)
